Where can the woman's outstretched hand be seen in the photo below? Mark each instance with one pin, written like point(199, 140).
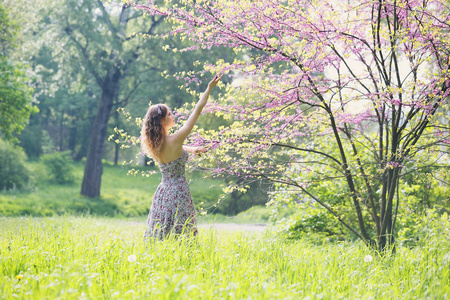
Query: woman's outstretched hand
point(199, 150)
point(215, 80)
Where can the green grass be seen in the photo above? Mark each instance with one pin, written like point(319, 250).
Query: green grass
point(87, 258)
point(254, 215)
point(127, 196)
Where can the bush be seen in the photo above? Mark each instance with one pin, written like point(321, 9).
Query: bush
point(206, 195)
point(312, 220)
point(14, 173)
point(416, 229)
point(60, 168)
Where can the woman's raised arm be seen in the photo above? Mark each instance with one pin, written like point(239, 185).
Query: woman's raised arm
point(181, 134)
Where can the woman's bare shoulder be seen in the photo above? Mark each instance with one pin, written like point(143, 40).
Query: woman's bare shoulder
point(172, 141)
point(171, 150)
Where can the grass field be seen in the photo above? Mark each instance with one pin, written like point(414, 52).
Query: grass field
point(126, 196)
point(98, 258)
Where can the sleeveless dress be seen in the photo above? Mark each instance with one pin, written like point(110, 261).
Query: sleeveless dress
point(172, 209)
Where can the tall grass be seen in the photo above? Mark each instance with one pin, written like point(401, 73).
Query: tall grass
point(92, 258)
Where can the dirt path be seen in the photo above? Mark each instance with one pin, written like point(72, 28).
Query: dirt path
point(234, 227)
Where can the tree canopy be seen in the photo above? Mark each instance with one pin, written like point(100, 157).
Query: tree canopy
point(327, 92)
point(16, 101)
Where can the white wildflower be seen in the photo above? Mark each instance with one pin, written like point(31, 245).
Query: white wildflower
point(368, 258)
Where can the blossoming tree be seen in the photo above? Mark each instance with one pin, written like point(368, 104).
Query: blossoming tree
point(325, 91)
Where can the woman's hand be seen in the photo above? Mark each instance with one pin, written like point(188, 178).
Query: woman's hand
point(215, 80)
point(199, 150)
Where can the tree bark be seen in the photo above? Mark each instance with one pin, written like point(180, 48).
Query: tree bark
point(61, 129)
point(90, 186)
point(72, 136)
point(116, 154)
point(85, 141)
point(116, 146)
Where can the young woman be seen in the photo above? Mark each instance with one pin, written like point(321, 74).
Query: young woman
point(172, 208)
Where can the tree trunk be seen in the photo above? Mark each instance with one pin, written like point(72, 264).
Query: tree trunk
point(93, 170)
point(116, 146)
point(386, 237)
point(116, 154)
point(232, 208)
point(72, 135)
point(82, 152)
point(61, 129)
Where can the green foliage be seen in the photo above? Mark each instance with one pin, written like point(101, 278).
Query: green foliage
point(311, 220)
point(420, 189)
point(97, 258)
point(36, 141)
point(15, 98)
point(14, 172)
point(416, 229)
point(31, 141)
point(15, 94)
point(59, 165)
point(426, 205)
point(424, 189)
point(209, 198)
point(98, 206)
point(47, 143)
point(8, 30)
point(255, 215)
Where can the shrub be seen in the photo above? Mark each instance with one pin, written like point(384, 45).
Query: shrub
point(60, 168)
point(312, 221)
point(416, 229)
point(14, 173)
point(206, 195)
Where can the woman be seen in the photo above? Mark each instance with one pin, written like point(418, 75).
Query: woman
point(172, 208)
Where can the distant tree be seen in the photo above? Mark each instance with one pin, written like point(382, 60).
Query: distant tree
point(101, 47)
point(16, 102)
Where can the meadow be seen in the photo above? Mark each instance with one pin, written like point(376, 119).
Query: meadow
point(69, 257)
point(122, 195)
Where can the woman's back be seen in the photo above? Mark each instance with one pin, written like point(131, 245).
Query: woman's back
point(170, 151)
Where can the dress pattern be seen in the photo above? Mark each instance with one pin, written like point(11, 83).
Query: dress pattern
point(172, 209)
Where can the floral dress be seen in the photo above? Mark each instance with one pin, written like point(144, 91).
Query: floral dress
point(172, 208)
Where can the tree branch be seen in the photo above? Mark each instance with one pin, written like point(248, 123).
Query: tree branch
point(83, 50)
point(299, 149)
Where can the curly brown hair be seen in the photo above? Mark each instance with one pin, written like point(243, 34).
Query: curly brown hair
point(152, 131)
